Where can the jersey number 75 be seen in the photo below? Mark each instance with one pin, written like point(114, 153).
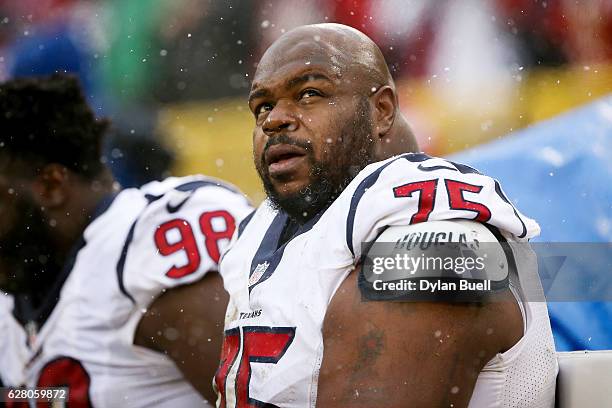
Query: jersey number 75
point(243, 346)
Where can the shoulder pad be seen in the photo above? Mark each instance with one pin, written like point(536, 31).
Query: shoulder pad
point(435, 260)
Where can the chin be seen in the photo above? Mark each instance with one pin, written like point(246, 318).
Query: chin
point(288, 189)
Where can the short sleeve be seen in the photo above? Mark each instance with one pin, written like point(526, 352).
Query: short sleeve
point(415, 188)
point(178, 238)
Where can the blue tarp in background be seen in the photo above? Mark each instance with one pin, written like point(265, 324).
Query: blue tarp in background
point(559, 172)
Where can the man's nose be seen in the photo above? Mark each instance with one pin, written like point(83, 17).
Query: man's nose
point(281, 118)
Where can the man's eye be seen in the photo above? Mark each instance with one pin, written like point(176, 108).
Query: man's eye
point(309, 93)
point(264, 107)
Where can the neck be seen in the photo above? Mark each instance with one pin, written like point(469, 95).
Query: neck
point(398, 140)
point(69, 223)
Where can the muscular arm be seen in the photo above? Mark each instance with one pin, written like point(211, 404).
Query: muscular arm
point(186, 323)
point(398, 354)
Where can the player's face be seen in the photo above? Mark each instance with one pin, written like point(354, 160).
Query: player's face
point(313, 133)
point(24, 237)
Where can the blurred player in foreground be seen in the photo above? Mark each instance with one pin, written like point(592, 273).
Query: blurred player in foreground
point(298, 332)
point(113, 290)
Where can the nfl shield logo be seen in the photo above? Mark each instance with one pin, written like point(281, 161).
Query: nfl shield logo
point(258, 273)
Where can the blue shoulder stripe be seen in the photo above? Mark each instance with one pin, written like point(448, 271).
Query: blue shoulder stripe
point(245, 222)
point(196, 184)
point(124, 251)
point(365, 184)
point(501, 194)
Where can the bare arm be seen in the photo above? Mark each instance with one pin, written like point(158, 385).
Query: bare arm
point(186, 323)
point(398, 354)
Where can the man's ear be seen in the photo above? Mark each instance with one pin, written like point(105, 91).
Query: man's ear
point(384, 102)
point(51, 186)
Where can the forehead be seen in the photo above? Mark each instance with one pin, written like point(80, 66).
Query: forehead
point(297, 57)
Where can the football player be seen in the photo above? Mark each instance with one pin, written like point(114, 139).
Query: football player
point(115, 291)
point(298, 332)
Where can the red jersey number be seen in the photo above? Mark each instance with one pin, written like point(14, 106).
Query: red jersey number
point(427, 198)
point(177, 235)
point(260, 344)
point(66, 372)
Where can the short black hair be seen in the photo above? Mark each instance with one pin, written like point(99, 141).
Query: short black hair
point(47, 120)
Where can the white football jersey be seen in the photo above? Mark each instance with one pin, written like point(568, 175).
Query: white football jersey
point(143, 242)
point(279, 292)
point(13, 350)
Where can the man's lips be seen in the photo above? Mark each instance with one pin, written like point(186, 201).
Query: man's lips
point(283, 158)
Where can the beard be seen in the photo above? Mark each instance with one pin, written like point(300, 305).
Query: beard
point(27, 261)
point(329, 176)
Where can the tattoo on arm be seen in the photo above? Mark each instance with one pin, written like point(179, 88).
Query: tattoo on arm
point(370, 347)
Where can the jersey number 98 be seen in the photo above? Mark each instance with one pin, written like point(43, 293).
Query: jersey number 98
point(187, 241)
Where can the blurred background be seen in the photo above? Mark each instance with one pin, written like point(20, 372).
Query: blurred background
point(173, 75)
